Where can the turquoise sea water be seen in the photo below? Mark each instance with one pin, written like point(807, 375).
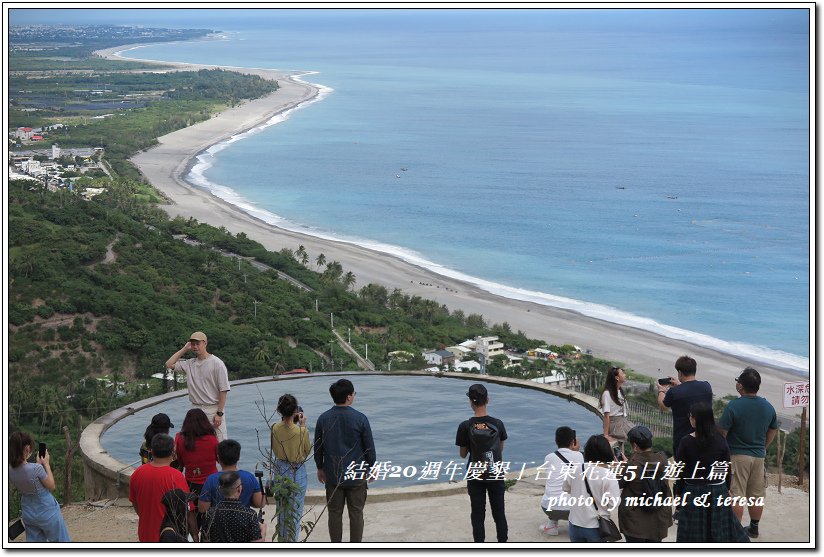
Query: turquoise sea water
point(649, 167)
point(414, 421)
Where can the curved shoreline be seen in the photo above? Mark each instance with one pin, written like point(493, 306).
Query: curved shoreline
point(167, 165)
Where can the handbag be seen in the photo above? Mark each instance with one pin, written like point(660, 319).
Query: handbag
point(16, 528)
point(606, 527)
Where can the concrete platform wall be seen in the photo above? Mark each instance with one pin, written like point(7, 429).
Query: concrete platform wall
point(106, 478)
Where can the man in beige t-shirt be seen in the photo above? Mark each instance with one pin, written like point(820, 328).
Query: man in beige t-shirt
point(207, 379)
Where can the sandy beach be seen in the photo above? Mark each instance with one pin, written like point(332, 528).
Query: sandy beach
point(165, 167)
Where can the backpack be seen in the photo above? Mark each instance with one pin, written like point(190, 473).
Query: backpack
point(484, 445)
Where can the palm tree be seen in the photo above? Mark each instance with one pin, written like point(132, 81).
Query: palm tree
point(302, 255)
point(349, 280)
point(261, 352)
point(320, 261)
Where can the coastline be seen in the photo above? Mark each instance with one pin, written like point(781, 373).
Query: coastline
point(166, 165)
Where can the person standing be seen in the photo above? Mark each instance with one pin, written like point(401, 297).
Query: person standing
point(344, 456)
point(160, 424)
point(482, 437)
point(206, 378)
point(230, 521)
point(705, 457)
point(149, 483)
point(291, 447)
point(681, 393)
point(567, 456)
point(593, 480)
point(613, 406)
point(749, 423)
point(35, 482)
point(196, 450)
point(644, 478)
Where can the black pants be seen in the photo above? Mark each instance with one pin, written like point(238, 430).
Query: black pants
point(478, 490)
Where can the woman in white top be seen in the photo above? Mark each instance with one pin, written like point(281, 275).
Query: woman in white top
point(583, 516)
point(616, 424)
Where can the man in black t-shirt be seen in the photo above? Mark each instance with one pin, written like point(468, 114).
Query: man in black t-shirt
point(482, 438)
point(230, 521)
point(680, 394)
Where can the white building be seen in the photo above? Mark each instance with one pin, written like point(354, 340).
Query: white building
point(470, 365)
point(439, 357)
point(460, 352)
point(488, 347)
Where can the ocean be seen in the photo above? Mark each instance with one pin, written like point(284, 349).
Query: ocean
point(645, 166)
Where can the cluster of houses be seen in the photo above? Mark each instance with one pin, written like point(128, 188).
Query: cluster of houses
point(26, 134)
point(24, 166)
point(473, 355)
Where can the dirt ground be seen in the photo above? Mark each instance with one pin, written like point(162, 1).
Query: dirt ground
point(444, 520)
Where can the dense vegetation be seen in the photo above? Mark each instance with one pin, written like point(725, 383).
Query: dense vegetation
point(76, 314)
point(56, 42)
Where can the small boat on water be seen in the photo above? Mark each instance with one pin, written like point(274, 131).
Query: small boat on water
point(620, 188)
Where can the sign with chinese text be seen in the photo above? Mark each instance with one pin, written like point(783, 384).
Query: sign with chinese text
point(796, 394)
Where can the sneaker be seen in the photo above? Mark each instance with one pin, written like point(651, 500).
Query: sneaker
point(550, 528)
point(752, 531)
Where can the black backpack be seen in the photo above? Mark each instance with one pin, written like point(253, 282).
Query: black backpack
point(484, 445)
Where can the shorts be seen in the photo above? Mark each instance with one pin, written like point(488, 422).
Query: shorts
point(749, 476)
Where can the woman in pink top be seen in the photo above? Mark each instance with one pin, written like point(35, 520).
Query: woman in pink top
point(196, 449)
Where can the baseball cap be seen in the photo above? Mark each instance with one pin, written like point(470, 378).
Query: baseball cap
point(639, 434)
point(162, 421)
point(198, 336)
point(477, 393)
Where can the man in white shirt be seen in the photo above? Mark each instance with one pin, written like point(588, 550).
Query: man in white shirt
point(553, 467)
point(207, 379)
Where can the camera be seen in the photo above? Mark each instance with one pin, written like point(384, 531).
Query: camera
point(665, 381)
point(299, 415)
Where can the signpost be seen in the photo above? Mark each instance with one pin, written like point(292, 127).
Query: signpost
point(797, 394)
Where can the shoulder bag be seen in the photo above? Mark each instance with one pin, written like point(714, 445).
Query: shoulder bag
point(606, 527)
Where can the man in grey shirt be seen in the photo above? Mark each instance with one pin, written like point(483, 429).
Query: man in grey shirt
point(207, 379)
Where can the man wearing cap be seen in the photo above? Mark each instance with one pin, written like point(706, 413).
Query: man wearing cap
point(643, 478)
point(207, 379)
point(482, 438)
point(749, 423)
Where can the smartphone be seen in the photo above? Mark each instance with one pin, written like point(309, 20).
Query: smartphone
point(664, 381)
point(41, 450)
point(616, 450)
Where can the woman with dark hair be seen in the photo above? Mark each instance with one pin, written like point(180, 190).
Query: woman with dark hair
point(701, 452)
point(35, 482)
point(196, 448)
point(175, 525)
point(616, 424)
point(593, 479)
point(160, 424)
point(291, 447)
